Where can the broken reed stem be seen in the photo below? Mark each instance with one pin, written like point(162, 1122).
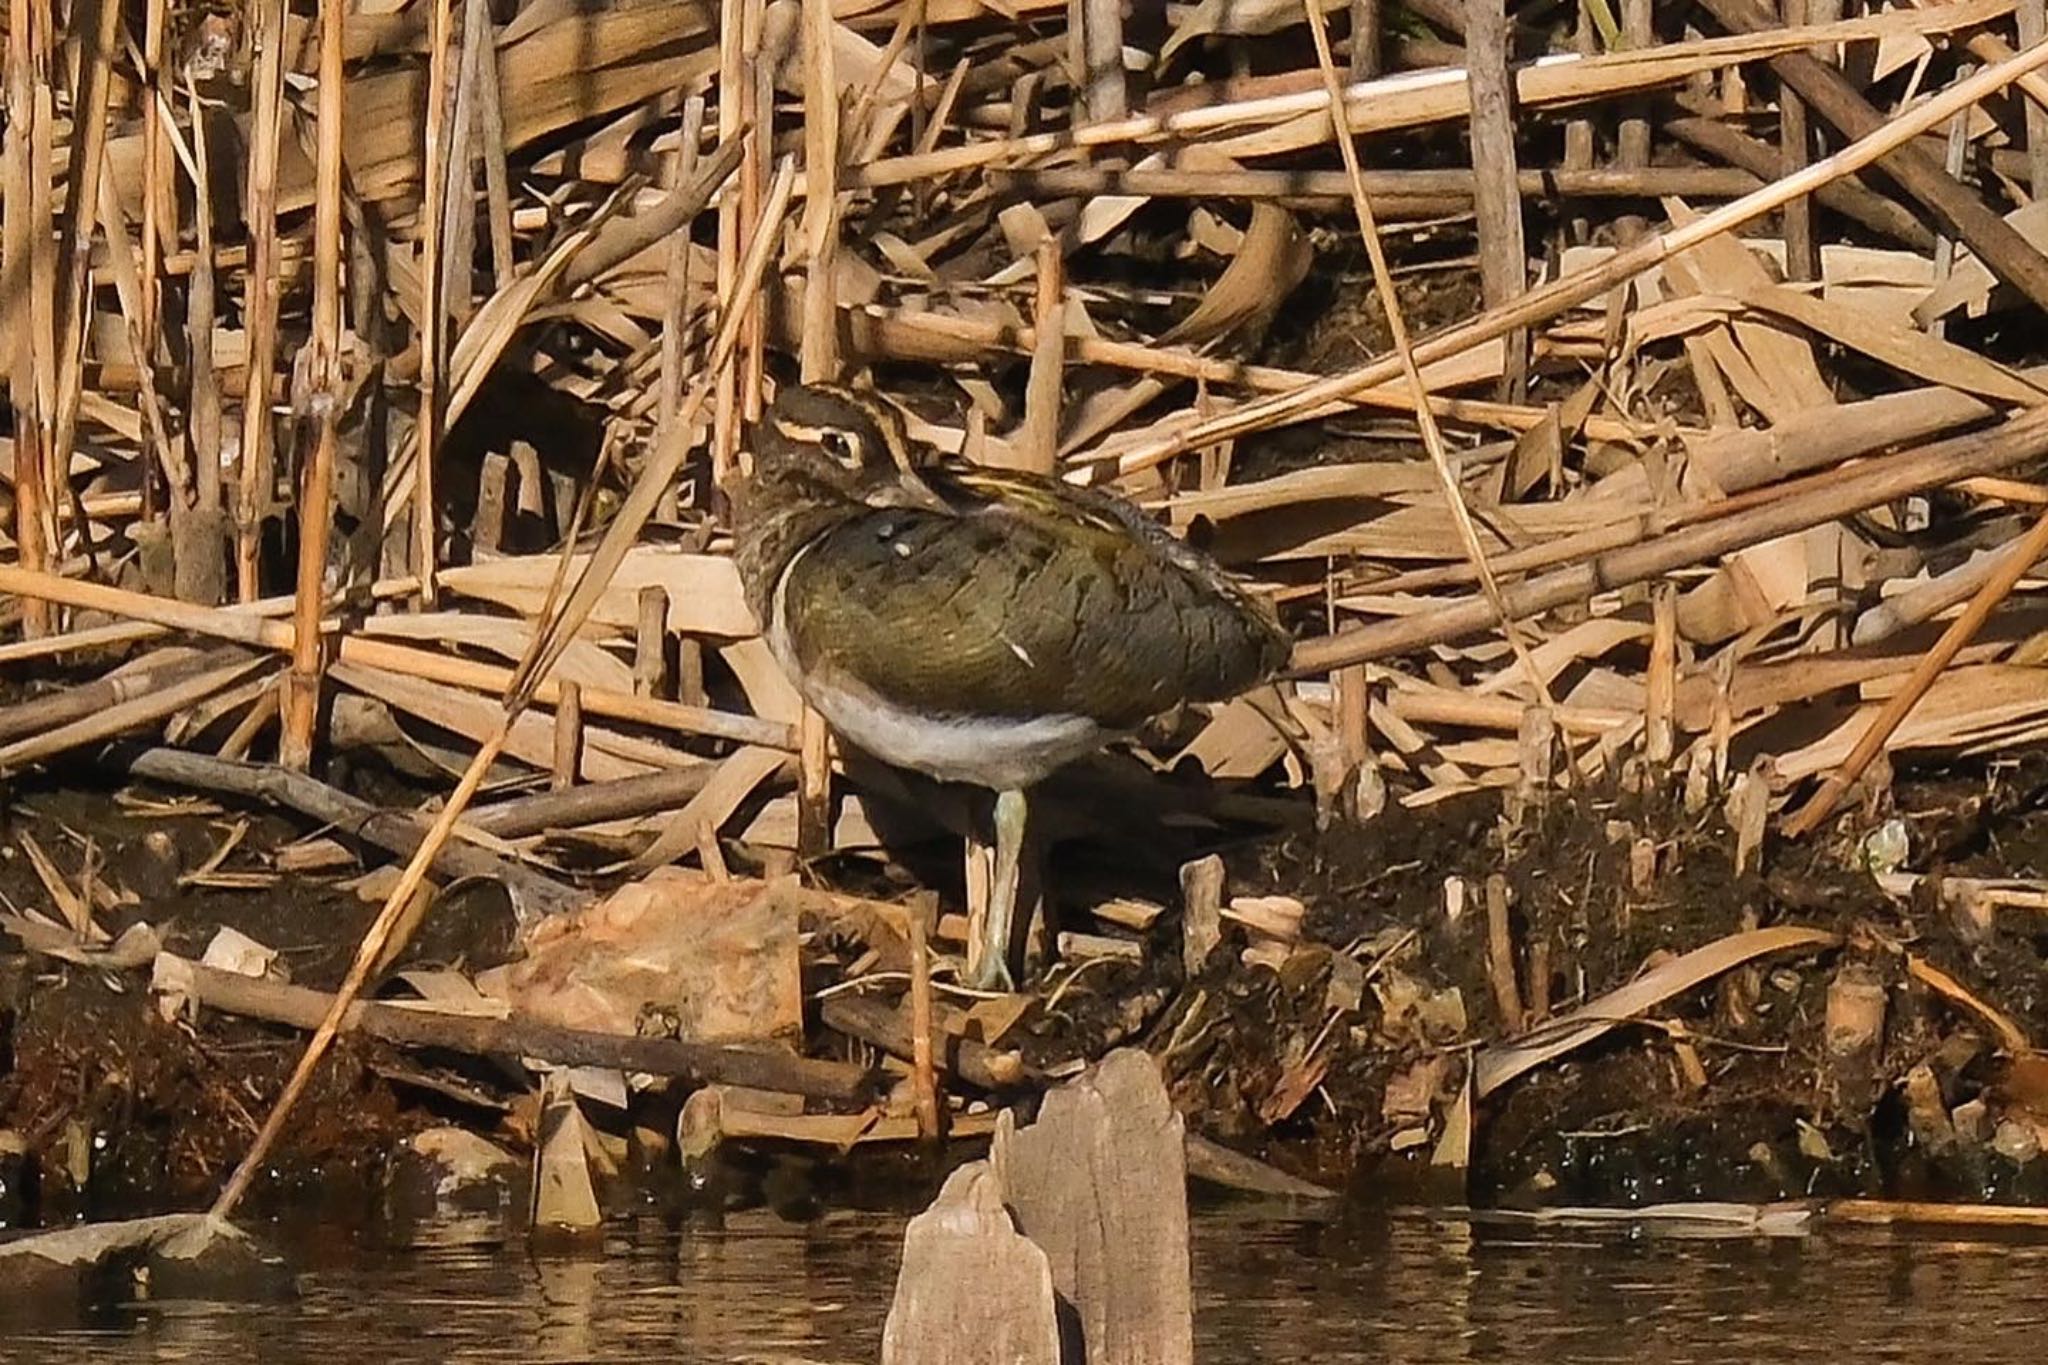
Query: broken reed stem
point(675, 314)
point(814, 785)
point(1397, 329)
point(1661, 691)
point(81, 209)
point(549, 642)
point(820, 342)
point(2014, 566)
point(29, 345)
point(257, 485)
point(301, 698)
point(1541, 305)
point(196, 545)
point(155, 214)
point(1497, 200)
point(435, 167)
point(482, 39)
point(758, 82)
point(1040, 445)
point(732, 103)
point(924, 1078)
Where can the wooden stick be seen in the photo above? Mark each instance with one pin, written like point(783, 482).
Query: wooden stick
point(1096, 29)
point(1540, 305)
point(300, 702)
point(1884, 1212)
point(1365, 40)
point(1660, 694)
point(246, 627)
point(482, 40)
point(592, 803)
point(675, 315)
point(1925, 601)
point(515, 1036)
point(159, 233)
point(2012, 567)
point(196, 531)
point(733, 100)
point(650, 642)
point(975, 1062)
point(1500, 956)
point(814, 785)
point(368, 952)
point(242, 627)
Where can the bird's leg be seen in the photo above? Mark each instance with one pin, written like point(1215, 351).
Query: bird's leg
point(994, 971)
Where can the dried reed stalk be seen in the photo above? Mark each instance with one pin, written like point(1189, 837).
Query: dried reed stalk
point(31, 343)
point(301, 698)
point(436, 166)
point(257, 486)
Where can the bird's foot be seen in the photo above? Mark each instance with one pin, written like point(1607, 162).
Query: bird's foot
point(992, 975)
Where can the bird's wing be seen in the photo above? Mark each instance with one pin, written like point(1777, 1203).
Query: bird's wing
point(1021, 602)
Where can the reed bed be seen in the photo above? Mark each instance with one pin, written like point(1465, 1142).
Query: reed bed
point(1644, 398)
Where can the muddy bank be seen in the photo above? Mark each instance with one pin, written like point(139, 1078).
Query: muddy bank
point(1330, 1032)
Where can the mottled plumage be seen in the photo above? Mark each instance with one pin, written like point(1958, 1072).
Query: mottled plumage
point(977, 625)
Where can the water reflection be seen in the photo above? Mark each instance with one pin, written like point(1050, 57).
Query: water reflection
point(755, 1290)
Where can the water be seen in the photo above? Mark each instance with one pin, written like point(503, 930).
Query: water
point(1411, 1291)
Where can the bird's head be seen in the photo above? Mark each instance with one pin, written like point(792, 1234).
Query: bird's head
point(850, 441)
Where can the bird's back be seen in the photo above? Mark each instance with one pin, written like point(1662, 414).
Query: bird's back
point(1024, 597)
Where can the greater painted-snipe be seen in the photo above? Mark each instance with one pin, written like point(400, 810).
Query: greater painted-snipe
point(975, 625)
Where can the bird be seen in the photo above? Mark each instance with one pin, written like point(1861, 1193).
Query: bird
point(977, 625)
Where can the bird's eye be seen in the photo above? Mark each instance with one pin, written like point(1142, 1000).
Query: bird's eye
point(841, 447)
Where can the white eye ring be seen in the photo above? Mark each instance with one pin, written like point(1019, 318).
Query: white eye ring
point(841, 447)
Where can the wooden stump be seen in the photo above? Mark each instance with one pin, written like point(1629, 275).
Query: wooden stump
point(1099, 1181)
point(1069, 1244)
point(973, 1290)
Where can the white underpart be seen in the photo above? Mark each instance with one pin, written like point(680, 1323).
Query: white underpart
point(998, 752)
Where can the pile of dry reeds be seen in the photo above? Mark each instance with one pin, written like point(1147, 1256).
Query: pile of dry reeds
point(374, 374)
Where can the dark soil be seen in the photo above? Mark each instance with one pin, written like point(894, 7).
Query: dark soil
point(121, 1112)
point(1340, 1056)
